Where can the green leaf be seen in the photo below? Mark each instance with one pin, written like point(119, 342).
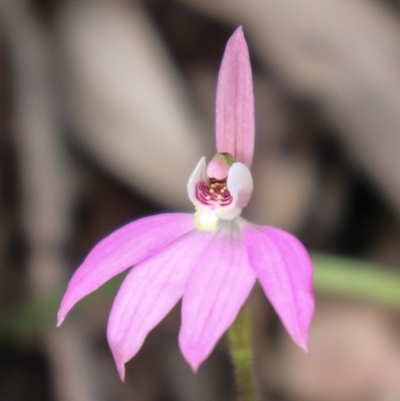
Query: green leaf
point(358, 279)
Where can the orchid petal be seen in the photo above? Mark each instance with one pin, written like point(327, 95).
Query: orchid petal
point(120, 250)
point(240, 184)
point(199, 174)
point(235, 101)
point(216, 289)
point(284, 269)
point(149, 292)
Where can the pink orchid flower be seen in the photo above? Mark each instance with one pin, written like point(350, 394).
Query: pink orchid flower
point(210, 259)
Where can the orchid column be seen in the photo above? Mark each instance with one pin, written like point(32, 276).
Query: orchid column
point(212, 258)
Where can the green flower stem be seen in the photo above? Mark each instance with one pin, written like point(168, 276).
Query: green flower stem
point(240, 350)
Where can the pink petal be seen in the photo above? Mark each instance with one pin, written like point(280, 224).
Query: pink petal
point(235, 101)
point(149, 292)
point(284, 269)
point(216, 289)
point(120, 250)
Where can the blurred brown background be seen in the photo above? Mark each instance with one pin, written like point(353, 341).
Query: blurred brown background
point(105, 108)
